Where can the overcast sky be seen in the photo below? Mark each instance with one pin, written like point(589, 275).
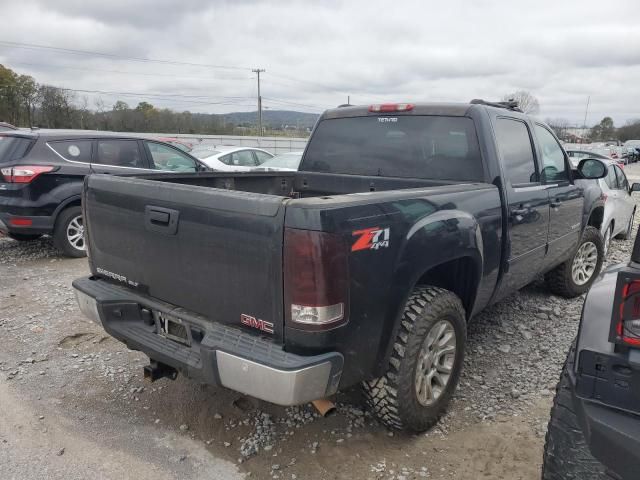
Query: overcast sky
point(317, 53)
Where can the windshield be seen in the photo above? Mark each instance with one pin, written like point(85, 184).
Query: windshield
point(430, 147)
point(13, 148)
point(286, 160)
point(204, 152)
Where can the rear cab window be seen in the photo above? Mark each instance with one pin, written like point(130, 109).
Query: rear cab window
point(13, 148)
point(73, 150)
point(407, 146)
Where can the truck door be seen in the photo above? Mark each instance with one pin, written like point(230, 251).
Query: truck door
point(528, 204)
point(566, 199)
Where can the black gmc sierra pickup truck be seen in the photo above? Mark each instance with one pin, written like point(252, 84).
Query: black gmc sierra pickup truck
point(404, 221)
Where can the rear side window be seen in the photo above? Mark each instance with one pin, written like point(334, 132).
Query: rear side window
point(622, 178)
point(610, 179)
point(13, 148)
point(409, 146)
point(514, 143)
point(119, 153)
point(74, 150)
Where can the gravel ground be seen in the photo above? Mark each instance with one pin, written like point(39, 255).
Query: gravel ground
point(79, 406)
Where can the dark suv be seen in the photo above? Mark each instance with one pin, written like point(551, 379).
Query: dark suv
point(594, 431)
point(41, 176)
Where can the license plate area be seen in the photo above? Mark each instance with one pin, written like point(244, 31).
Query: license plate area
point(173, 328)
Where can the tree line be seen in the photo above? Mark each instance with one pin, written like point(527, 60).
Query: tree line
point(26, 103)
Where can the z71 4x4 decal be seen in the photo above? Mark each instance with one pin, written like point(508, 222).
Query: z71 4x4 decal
point(370, 239)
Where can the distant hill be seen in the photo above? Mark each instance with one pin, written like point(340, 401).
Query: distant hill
point(273, 118)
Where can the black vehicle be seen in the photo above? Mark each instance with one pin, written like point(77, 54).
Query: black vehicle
point(41, 176)
point(594, 431)
point(364, 266)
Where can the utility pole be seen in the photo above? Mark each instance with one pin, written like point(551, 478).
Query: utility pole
point(584, 124)
point(258, 71)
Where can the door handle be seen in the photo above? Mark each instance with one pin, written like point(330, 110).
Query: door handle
point(160, 219)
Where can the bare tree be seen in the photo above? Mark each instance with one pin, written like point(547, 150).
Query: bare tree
point(527, 102)
point(560, 126)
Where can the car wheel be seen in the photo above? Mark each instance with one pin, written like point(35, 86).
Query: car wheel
point(626, 235)
point(425, 363)
point(606, 241)
point(24, 237)
point(575, 276)
point(566, 453)
point(68, 234)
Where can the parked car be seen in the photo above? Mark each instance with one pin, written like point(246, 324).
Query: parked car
point(41, 176)
point(363, 267)
point(620, 207)
point(231, 159)
point(178, 142)
point(289, 161)
point(5, 127)
point(576, 155)
point(594, 430)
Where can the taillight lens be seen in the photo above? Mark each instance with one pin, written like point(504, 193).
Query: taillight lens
point(316, 279)
point(24, 173)
point(628, 325)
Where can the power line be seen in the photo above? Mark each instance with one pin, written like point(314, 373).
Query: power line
point(199, 77)
point(72, 51)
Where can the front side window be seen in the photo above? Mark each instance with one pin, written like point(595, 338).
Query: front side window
point(74, 150)
point(554, 168)
point(119, 153)
point(262, 156)
point(167, 158)
point(516, 149)
point(243, 158)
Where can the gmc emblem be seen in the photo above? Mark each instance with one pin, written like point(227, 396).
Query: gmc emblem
point(254, 322)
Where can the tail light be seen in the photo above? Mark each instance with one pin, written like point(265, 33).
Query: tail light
point(24, 173)
point(627, 311)
point(316, 279)
point(391, 107)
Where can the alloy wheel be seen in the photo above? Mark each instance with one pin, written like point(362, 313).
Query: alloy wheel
point(584, 263)
point(435, 363)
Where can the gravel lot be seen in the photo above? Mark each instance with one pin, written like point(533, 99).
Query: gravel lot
point(75, 405)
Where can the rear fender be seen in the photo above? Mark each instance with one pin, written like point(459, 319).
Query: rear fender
point(446, 238)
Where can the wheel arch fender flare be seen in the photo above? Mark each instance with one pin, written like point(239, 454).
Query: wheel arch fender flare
point(444, 249)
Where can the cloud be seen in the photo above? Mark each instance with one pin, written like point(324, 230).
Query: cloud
point(317, 53)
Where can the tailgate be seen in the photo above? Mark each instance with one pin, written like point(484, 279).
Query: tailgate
point(214, 252)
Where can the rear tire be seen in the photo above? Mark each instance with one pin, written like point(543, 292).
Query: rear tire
point(575, 276)
point(425, 364)
point(68, 235)
point(626, 235)
point(24, 237)
point(566, 453)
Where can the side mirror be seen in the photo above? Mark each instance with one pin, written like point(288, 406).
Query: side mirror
point(592, 169)
point(635, 188)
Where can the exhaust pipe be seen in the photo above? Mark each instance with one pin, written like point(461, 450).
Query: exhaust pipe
point(156, 370)
point(324, 406)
